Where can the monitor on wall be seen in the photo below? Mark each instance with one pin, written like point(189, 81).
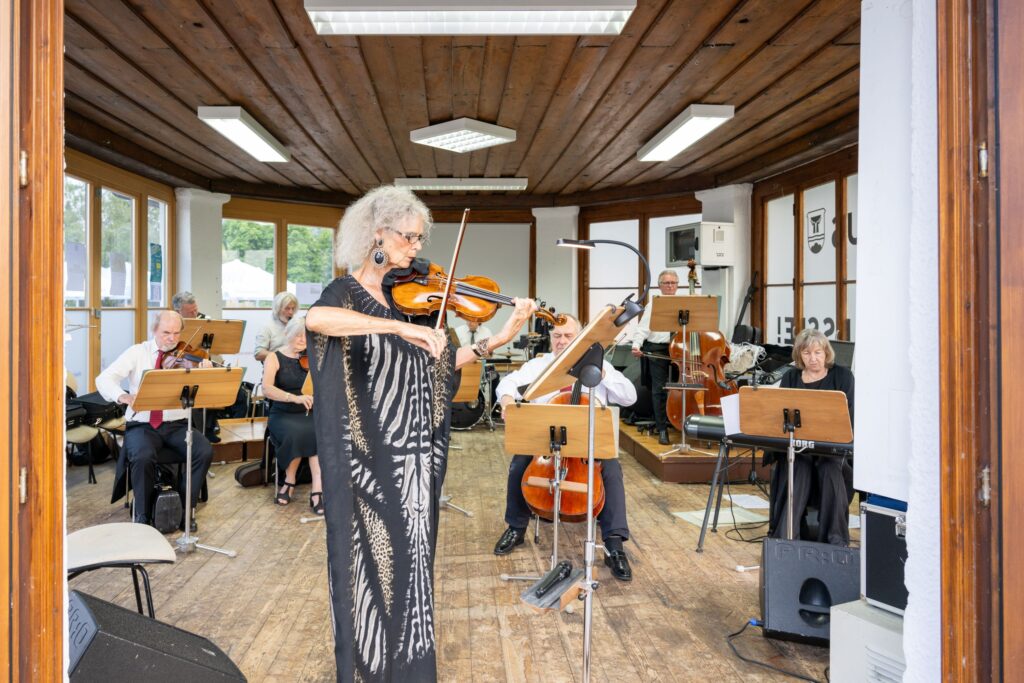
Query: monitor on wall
point(682, 243)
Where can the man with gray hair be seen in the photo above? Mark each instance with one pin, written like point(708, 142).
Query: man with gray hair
point(652, 348)
point(147, 432)
point(185, 304)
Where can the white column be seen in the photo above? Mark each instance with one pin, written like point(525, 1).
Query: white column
point(199, 237)
point(556, 266)
point(729, 204)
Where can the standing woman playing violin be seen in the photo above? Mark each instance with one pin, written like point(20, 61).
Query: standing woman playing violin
point(290, 421)
point(146, 432)
point(383, 391)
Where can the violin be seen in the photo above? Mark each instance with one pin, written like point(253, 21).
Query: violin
point(573, 504)
point(474, 298)
point(184, 356)
point(304, 361)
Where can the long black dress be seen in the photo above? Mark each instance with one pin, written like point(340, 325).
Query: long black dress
point(382, 428)
point(825, 482)
point(292, 429)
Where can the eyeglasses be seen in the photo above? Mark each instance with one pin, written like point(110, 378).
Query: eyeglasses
point(411, 237)
point(668, 283)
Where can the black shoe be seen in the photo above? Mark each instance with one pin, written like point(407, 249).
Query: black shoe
point(192, 526)
point(619, 565)
point(509, 540)
point(663, 437)
point(213, 438)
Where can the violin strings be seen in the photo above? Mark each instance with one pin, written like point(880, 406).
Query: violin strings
point(463, 288)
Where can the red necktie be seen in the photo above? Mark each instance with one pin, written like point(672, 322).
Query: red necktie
point(156, 417)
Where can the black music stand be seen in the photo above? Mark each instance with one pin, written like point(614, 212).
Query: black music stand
point(803, 416)
point(187, 389)
point(684, 314)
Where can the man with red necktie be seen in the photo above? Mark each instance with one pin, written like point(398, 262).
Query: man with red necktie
point(146, 432)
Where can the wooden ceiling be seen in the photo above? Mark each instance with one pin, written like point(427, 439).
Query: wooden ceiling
point(136, 70)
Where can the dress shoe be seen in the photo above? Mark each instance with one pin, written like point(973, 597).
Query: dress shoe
point(619, 564)
point(213, 438)
point(192, 526)
point(663, 437)
point(509, 540)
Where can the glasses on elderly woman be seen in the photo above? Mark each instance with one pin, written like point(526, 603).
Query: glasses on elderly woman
point(411, 237)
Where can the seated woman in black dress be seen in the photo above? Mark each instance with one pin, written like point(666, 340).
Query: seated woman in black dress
point(823, 482)
point(291, 417)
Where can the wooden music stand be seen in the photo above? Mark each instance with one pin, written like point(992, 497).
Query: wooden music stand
point(222, 337)
point(187, 389)
point(307, 386)
point(469, 386)
point(801, 415)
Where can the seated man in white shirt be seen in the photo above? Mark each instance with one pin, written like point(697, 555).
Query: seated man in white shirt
point(147, 432)
point(472, 332)
point(613, 389)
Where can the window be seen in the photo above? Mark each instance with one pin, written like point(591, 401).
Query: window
point(117, 245)
point(614, 271)
point(779, 278)
point(247, 266)
point(76, 243)
point(156, 253)
point(310, 260)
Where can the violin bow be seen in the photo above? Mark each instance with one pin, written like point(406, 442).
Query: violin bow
point(451, 273)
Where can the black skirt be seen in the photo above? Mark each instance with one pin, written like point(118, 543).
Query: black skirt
point(294, 435)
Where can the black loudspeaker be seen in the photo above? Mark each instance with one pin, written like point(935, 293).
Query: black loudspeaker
point(800, 581)
point(110, 643)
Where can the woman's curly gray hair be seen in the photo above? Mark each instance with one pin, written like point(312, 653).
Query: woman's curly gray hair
point(384, 207)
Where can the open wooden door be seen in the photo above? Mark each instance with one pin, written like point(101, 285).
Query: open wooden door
point(31, 338)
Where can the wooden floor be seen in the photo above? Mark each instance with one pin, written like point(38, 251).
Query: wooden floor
point(267, 608)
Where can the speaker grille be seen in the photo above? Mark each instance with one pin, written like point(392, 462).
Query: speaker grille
point(882, 668)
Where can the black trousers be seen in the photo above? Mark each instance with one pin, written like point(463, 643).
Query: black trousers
point(612, 518)
point(819, 482)
point(141, 445)
point(659, 369)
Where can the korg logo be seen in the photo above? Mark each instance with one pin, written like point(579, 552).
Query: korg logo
point(820, 554)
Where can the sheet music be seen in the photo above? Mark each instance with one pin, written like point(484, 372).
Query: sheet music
point(731, 414)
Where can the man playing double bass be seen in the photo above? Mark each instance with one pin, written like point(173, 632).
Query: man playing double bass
point(613, 389)
point(647, 342)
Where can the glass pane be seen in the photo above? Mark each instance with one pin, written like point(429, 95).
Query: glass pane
point(255, 320)
point(310, 262)
point(117, 333)
point(851, 227)
point(779, 315)
point(156, 219)
point(779, 217)
point(247, 270)
point(76, 348)
point(117, 245)
point(820, 309)
point(76, 252)
point(851, 311)
point(656, 244)
point(820, 233)
point(610, 264)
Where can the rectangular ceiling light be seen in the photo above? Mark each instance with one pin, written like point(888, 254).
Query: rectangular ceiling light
point(464, 184)
point(239, 127)
point(695, 122)
point(463, 135)
point(469, 17)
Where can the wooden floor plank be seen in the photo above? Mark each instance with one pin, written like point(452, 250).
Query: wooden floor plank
point(268, 607)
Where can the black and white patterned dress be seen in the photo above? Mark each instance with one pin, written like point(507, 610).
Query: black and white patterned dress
point(382, 425)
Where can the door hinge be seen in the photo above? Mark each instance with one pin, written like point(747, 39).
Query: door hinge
point(983, 160)
point(23, 485)
point(985, 492)
point(23, 169)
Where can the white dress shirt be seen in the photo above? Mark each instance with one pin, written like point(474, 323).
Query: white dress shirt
point(131, 365)
point(613, 389)
point(643, 329)
point(466, 337)
point(271, 337)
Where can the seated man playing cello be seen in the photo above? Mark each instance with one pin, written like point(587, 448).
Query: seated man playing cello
point(614, 389)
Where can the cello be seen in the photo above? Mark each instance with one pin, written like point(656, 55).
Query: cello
point(572, 504)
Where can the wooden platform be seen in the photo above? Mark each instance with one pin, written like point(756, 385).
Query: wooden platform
point(684, 468)
point(268, 608)
point(240, 439)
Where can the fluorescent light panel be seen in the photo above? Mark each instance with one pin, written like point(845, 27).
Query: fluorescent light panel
point(469, 17)
point(695, 122)
point(463, 135)
point(464, 184)
point(239, 127)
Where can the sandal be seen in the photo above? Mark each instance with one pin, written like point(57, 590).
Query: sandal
point(319, 507)
point(285, 497)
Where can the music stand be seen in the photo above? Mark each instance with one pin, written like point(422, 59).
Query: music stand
point(583, 360)
point(684, 314)
point(469, 390)
point(801, 415)
point(187, 389)
point(216, 337)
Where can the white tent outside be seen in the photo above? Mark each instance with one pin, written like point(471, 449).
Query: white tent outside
point(241, 281)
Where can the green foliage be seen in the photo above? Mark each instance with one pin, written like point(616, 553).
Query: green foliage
point(251, 242)
point(310, 254)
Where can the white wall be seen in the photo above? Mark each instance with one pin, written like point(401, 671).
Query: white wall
point(897, 451)
point(556, 266)
point(500, 251)
point(199, 246)
point(729, 204)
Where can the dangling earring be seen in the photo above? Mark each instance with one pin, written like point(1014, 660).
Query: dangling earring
point(379, 257)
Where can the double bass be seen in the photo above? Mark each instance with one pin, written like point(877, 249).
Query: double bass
point(700, 359)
